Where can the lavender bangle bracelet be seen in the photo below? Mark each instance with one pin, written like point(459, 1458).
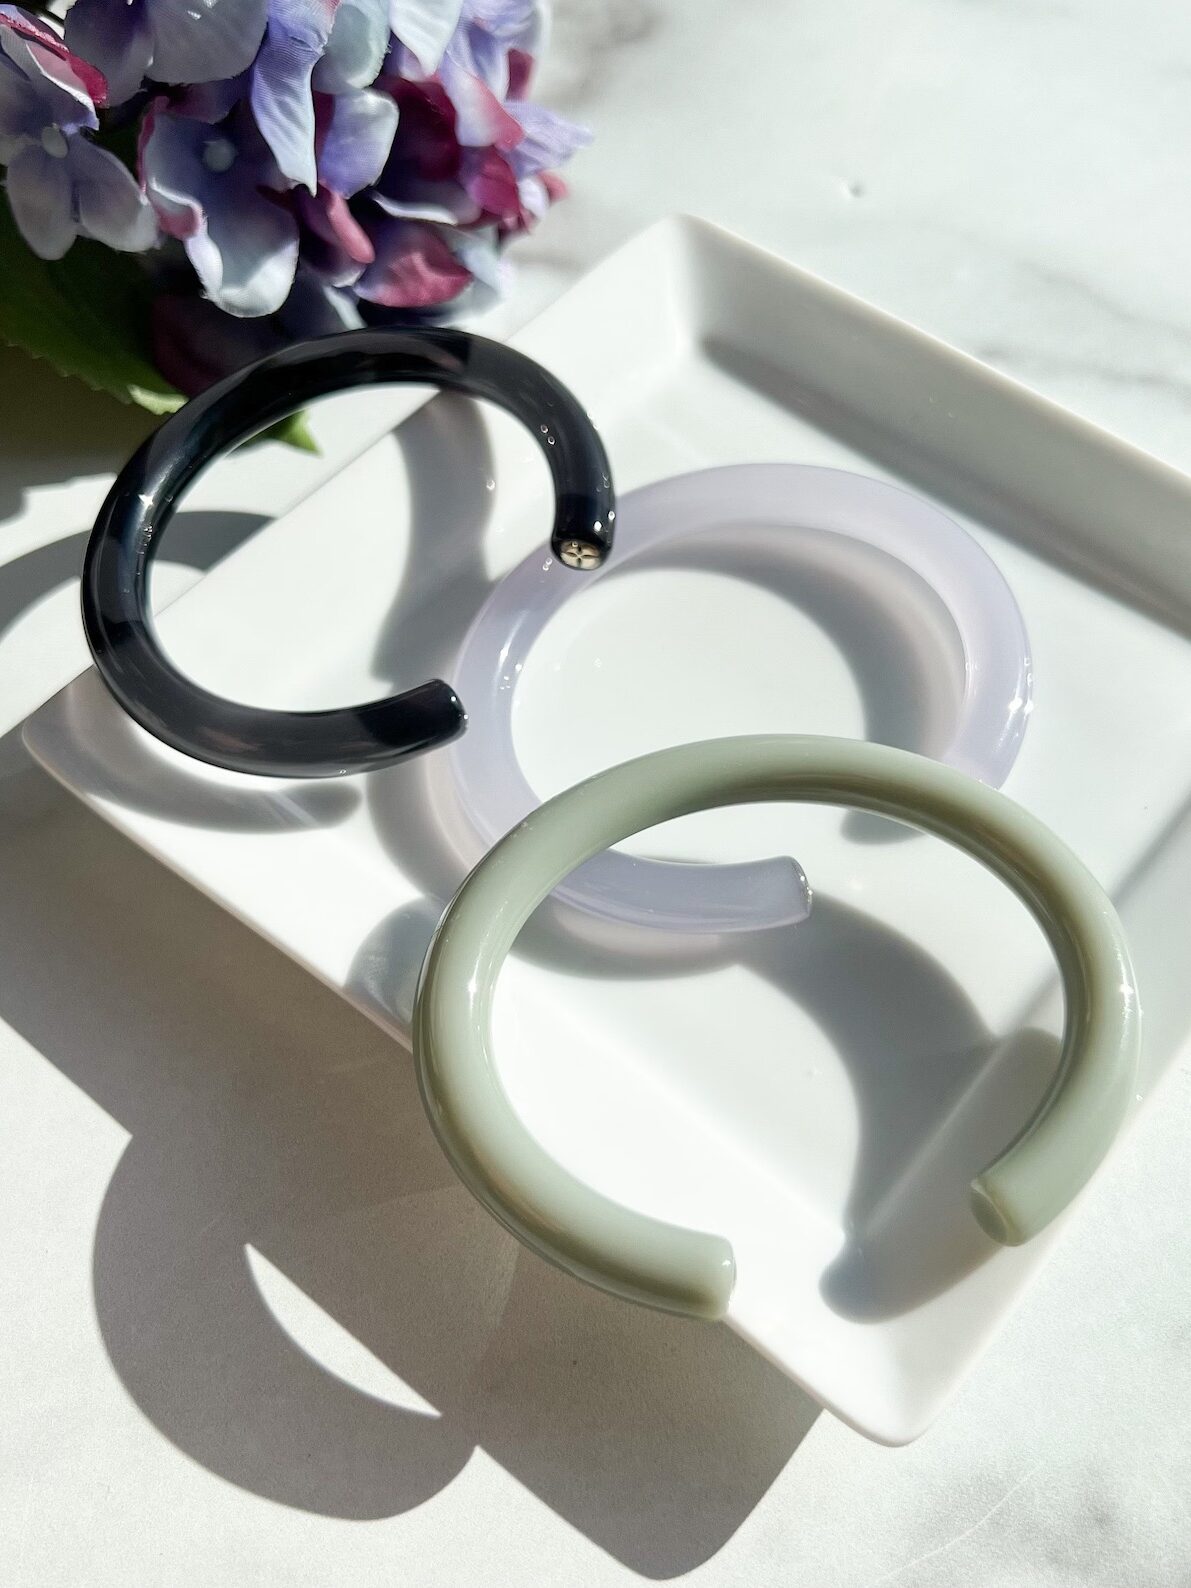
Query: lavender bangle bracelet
point(791, 506)
point(115, 594)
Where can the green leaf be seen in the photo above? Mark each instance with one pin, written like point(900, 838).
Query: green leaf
point(294, 432)
point(87, 315)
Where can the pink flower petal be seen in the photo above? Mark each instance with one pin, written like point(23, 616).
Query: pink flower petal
point(490, 181)
point(92, 81)
point(480, 118)
point(414, 268)
point(520, 71)
point(328, 216)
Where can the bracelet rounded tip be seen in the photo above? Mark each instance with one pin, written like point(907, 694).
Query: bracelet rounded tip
point(993, 1217)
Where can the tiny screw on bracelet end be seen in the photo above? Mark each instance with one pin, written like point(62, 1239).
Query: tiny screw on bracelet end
point(584, 528)
point(581, 554)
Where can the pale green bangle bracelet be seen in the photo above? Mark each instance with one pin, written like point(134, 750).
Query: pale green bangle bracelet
point(688, 1271)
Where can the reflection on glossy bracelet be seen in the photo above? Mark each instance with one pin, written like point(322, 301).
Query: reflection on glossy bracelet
point(692, 1272)
point(115, 594)
point(790, 513)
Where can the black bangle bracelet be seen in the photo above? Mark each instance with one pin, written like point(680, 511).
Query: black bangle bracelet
point(115, 595)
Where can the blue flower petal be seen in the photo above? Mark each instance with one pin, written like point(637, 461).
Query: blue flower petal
point(296, 35)
point(356, 49)
point(109, 203)
point(206, 185)
point(251, 253)
point(198, 43)
point(22, 114)
point(425, 27)
point(549, 140)
point(39, 190)
point(64, 100)
point(117, 38)
point(356, 144)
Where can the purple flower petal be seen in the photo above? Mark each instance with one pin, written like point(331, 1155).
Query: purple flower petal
point(414, 267)
point(425, 27)
point(117, 37)
point(22, 114)
point(495, 41)
point(481, 121)
point(39, 191)
point(210, 102)
point(169, 166)
point(196, 344)
point(246, 255)
point(198, 43)
point(515, 21)
point(109, 203)
point(520, 72)
point(281, 98)
point(14, 21)
point(355, 140)
point(485, 56)
point(425, 146)
point(206, 185)
point(315, 309)
point(65, 101)
point(444, 202)
point(356, 49)
point(549, 140)
point(327, 214)
point(335, 243)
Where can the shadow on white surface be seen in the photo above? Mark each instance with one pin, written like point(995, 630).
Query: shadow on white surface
point(909, 1038)
point(55, 429)
point(197, 539)
point(264, 1116)
point(264, 1113)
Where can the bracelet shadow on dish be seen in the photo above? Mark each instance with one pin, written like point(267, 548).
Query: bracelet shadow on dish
point(270, 1164)
point(910, 1006)
point(282, 1211)
point(198, 540)
point(281, 1234)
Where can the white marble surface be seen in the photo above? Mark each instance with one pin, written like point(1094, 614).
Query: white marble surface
point(178, 1100)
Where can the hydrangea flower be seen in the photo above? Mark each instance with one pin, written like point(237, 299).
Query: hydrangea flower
point(301, 165)
point(60, 184)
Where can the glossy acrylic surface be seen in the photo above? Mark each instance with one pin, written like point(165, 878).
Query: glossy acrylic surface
point(647, 1260)
point(825, 1093)
point(784, 523)
point(117, 615)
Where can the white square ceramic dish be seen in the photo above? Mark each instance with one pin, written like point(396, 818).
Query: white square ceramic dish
point(820, 1095)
